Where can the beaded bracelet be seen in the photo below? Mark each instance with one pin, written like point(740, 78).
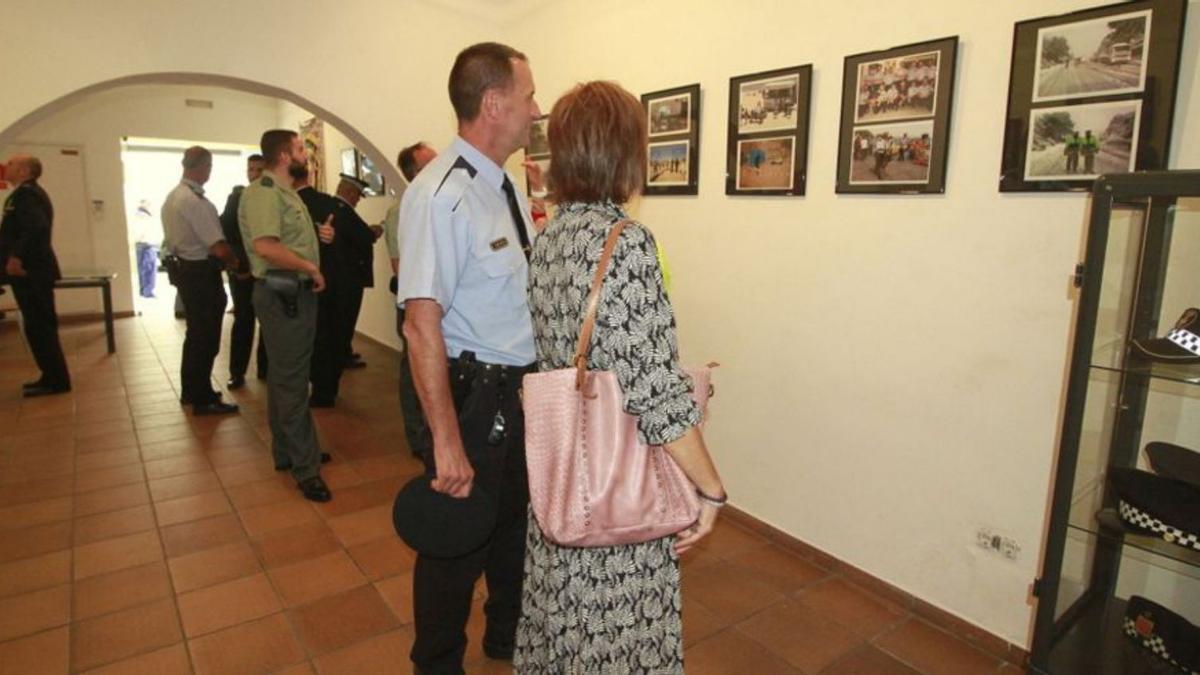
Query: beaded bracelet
point(712, 501)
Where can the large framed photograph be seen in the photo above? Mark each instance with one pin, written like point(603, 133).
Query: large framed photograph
point(367, 171)
point(767, 152)
point(1091, 92)
point(673, 149)
point(896, 106)
point(538, 152)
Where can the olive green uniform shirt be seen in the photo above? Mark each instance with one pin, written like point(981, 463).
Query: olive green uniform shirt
point(269, 209)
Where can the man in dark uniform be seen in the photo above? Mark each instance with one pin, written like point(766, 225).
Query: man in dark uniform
point(358, 247)
point(241, 286)
point(31, 268)
point(197, 251)
point(327, 362)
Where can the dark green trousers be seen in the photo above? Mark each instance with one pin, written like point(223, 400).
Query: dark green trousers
point(289, 350)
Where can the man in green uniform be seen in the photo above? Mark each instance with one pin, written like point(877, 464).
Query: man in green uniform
point(1071, 151)
point(286, 264)
point(1089, 147)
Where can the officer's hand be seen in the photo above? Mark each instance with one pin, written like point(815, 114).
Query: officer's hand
point(454, 472)
point(325, 231)
point(377, 230)
point(14, 268)
point(318, 281)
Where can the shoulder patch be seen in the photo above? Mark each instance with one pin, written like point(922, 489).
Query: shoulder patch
point(267, 181)
point(460, 166)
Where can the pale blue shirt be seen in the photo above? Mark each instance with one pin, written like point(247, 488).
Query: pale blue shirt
point(190, 222)
point(459, 247)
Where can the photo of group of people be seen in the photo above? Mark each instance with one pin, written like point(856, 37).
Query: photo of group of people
point(768, 105)
point(670, 115)
point(897, 88)
point(892, 153)
point(1083, 59)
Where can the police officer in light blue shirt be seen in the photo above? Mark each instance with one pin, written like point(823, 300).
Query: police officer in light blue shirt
point(465, 236)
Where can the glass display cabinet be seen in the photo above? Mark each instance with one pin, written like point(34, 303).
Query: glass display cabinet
point(1113, 550)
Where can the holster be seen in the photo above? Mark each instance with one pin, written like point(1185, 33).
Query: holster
point(286, 286)
point(172, 265)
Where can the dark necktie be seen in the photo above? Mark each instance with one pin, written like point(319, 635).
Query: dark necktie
point(514, 209)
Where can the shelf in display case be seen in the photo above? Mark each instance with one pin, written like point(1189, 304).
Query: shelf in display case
point(1106, 525)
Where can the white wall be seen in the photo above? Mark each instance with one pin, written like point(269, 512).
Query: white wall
point(893, 367)
point(97, 124)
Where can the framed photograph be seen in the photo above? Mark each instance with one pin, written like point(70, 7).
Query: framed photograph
point(312, 132)
point(767, 151)
point(1091, 92)
point(896, 107)
point(376, 186)
point(539, 142)
point(543, 164)
point(350, 162)
point(673, 149)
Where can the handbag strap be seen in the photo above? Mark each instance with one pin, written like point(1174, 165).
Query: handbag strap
point(593, 302)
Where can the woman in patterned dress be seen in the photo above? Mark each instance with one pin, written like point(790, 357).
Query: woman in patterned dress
point(609, 610)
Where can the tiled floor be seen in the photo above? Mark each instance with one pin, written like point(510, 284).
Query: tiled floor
point(135, 538)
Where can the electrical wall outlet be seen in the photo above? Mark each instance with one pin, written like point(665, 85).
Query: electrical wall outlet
point(993, 542)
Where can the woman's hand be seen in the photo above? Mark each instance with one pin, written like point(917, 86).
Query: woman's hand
point(700, 529)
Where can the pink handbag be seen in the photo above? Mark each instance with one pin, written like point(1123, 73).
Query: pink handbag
point(591, 481)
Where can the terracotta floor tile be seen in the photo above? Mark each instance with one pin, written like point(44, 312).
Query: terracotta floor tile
point(731, 652)
point(105, 593)
point(340, 620)
point(254, 648)
point(186, 509)
point(113, 524)
point(165, 419)
point(186, 485)
point(383, 557)
point(729, 592)
point(238, 454)
point(31, 574)
point(113, 637)
point(179, 540)
point(238, 437)
point(227, 604)
point(845, 603)
point(340, 475)
point(26, 469)
point(363, 526)
point(284, 547)
point(159, 434)
point(308, 580)
point(699, 623)
point(728, 540)
point(35, 541)
point(934, 652)
point(278, 516)
point(45, 653)
point(263, 492)
point(397, 592)
point(869, 661)
point(111, 555)
point(38, 513)
point(176, 466)
point(96, 479)
point(107, 459)
point(241, 473)
point(800, 635)
point(778, 568)
point(92, 429)
point(108, 441)
point(213, 566)
point(111, 499)
point(359, 497)
point(34, 612)
point(387, 653)
point(37, 490)
point(171, 660)
point(177, 448)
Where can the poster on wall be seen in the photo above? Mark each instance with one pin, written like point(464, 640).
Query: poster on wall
point(1090, 93)
point(537, 158)
point(895, 130)
point(767, 148)
point(673, 148)
point(312, 132)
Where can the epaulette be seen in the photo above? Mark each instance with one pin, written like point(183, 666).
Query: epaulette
point(267, 181)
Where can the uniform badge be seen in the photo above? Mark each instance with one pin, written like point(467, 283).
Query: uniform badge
point(499, 243)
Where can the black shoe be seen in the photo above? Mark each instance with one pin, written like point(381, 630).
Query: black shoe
point(355, 364)
point(497, 652)
point(236, 382)
point(46, 390)
point(214, 408)
point(33, 385)
point(315, 490)
point(319, 403)
point(287, 466)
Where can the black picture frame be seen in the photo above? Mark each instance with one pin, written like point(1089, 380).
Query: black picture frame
point(1044, 103)
point(673, 143)
point(538, 151)
point(908, 116)
point(376, 184)
point(767, 137)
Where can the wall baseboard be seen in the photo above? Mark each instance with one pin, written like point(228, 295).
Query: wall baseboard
point(959, 628)
point(83, 317)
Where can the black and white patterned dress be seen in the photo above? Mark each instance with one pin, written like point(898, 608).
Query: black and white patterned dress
point(611, 610)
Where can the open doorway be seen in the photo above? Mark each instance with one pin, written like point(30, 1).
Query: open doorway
point(151, 170)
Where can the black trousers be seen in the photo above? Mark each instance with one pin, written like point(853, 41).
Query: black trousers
point(203, 294)
point(355, 298)
point(442, 587)
point(410, 403)
point(336, 314)
point(241, 334)
point(35, 298)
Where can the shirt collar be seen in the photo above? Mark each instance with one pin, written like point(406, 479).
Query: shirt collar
point(196, 187)
point(488, 170)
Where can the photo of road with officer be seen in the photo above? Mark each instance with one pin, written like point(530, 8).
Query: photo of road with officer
point(1090, 58)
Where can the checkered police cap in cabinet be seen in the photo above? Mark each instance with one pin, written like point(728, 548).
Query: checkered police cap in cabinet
point(1158, 506)
point(1181, 344)
point(1163, 633)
